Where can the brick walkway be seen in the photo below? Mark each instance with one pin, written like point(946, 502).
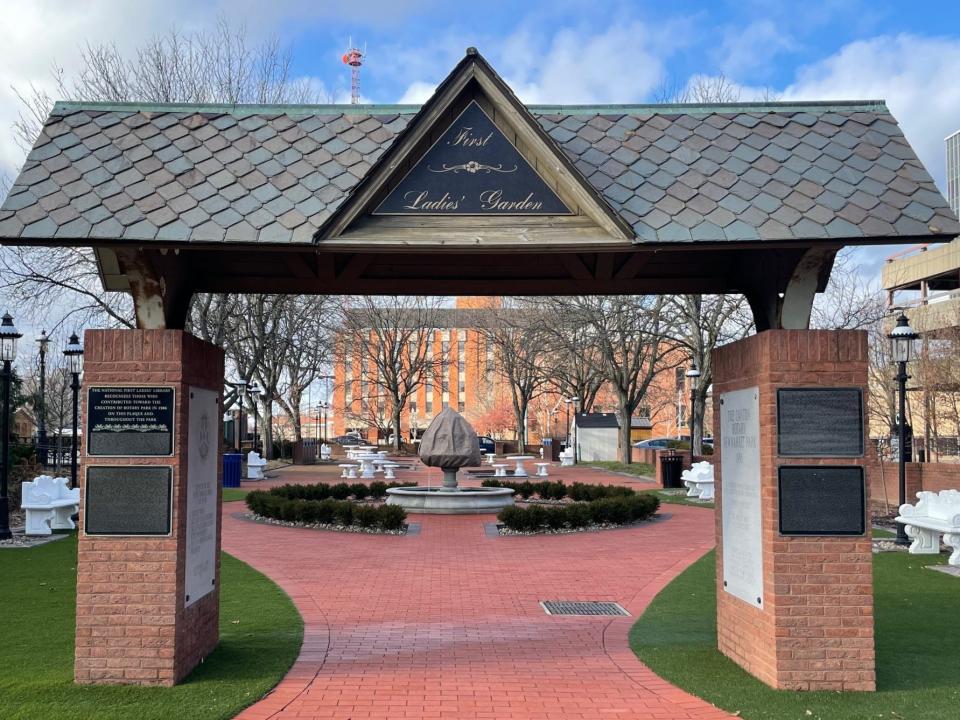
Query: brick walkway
point(447, 623)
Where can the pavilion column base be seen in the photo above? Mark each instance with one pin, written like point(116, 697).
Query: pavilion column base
point(809, 623)
point(136, 624)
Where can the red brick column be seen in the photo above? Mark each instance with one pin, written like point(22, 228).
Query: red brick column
point(815, 629)
point(132, 626)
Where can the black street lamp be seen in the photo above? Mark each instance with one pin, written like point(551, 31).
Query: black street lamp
point(43, 341)
point(902, 341)
point(74, 355)
point(254, 392)
point(241, 386)
point(8, 353)
point(693, 376)
point(567, 402)
point(576, 408)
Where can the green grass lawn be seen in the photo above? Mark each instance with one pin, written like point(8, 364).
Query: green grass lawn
point(678, 499)
point(641, 469)
point(234, 494)
point(917, 679)
point(260, 637)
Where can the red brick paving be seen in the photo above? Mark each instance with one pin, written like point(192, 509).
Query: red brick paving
point(447, 623)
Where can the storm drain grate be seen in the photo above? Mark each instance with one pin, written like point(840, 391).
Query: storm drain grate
point(582, 607)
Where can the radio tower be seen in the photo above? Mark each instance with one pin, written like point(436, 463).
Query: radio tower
point(354, 58)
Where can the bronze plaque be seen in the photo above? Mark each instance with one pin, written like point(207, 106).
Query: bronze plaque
point(128, 500)
point(128, 420)
point(820, 422)
point(822, 500)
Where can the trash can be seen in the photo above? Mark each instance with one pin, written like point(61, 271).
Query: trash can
point(232, 470)
point(671, 469)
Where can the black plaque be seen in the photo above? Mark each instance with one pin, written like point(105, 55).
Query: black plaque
point(130, 421)
point(822, 500)
point(128, 500)
point(472, 169)
point(820, 422)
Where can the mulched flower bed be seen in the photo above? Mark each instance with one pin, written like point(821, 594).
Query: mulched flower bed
point(322, 526)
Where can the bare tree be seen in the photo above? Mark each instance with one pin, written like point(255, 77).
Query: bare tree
point(393, 338)
point(704, 323)
point(519, 340)
point(216, 66)
point(851, 300)
point(631, 335)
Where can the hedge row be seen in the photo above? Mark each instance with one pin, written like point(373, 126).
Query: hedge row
point(341, 491)
point(547, 490)
point(273, 504)
point(605, 511)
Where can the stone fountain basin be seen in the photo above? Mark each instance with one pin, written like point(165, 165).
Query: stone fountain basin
point(447, 501)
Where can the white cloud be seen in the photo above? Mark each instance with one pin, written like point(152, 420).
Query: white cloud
point(417, 93)
point(751, 51)
point(917, 76)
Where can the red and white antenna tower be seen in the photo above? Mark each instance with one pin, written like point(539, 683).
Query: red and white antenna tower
point(354, 58)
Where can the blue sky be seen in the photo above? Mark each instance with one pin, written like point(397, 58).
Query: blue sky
point(569, 51)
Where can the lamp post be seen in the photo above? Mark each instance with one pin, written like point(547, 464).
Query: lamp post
point(567, 433)
point(902, 341)
point(241, 386)
point(43, 341)
point(693, 376)
point(74, 354)
point(8, 353)
point(576, 408)
point(254, 392)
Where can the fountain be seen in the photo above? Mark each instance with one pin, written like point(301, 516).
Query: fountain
point(450, 443)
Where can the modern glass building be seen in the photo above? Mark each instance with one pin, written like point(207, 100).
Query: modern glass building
point(953, 171)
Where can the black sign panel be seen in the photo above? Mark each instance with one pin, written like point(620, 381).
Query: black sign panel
point(472, 169)
point(822, 500)
point(128, 500)
point(130, 421)
point(820, 422)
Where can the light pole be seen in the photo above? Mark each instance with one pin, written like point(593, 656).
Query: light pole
point(74, 354)
point(8, 353)
point(693, 376)
point(241, 386)
point(254, 392)
point(43, 341)
point(902, 341)
point(576, 408)
point(567, 433)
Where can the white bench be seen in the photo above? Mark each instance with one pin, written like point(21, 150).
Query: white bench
point(255, 466)
point(934, 514)
point(566, 457)
point(325, 452)
point(542, 469)
point(699, 480)
point(499, 470)
point(388, 470)
point(349, 470)
point(48, 503)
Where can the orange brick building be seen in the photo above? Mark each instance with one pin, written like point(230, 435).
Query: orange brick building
point(465, 377)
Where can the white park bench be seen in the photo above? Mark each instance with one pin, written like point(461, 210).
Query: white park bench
point(566, 457)
point(699, 480)
point(255, 466)
point(349, 470)
point(499, 470)
point(388, 470)
point(48, 503)
point(542, 469)
point(325, 452)
point(935, 514)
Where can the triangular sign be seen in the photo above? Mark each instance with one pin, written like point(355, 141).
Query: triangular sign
point(472, 169)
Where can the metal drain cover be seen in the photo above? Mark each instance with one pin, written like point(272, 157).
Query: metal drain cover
point(582, 607)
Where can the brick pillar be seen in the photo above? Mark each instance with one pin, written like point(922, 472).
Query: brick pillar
point(134, 624)
point(814, 630)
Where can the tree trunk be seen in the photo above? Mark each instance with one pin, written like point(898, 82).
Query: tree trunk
point(625, 454)
point(396, 425)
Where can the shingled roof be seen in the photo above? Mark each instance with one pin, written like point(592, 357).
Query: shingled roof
point(675, 173)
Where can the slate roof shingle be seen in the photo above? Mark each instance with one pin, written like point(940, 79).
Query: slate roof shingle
point(674, 173)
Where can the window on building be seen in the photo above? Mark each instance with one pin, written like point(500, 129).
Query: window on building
point(680, 374)
point(461, 406)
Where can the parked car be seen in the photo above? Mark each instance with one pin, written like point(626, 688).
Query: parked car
point(486, 444)
point(348, 439)
point(655, 443)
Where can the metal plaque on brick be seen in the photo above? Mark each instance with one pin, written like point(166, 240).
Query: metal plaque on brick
point(126, 421)
point(128, 500)
point(472, 169)
point(820, 422)
point(822, 500)
point(740, 494)
point(203, 452)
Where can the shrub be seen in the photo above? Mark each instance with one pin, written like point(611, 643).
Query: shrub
point(314, 504)
point(377, 489)
point(359, 490)
point(617, 510)
point(365, 515)
point(340, 491)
